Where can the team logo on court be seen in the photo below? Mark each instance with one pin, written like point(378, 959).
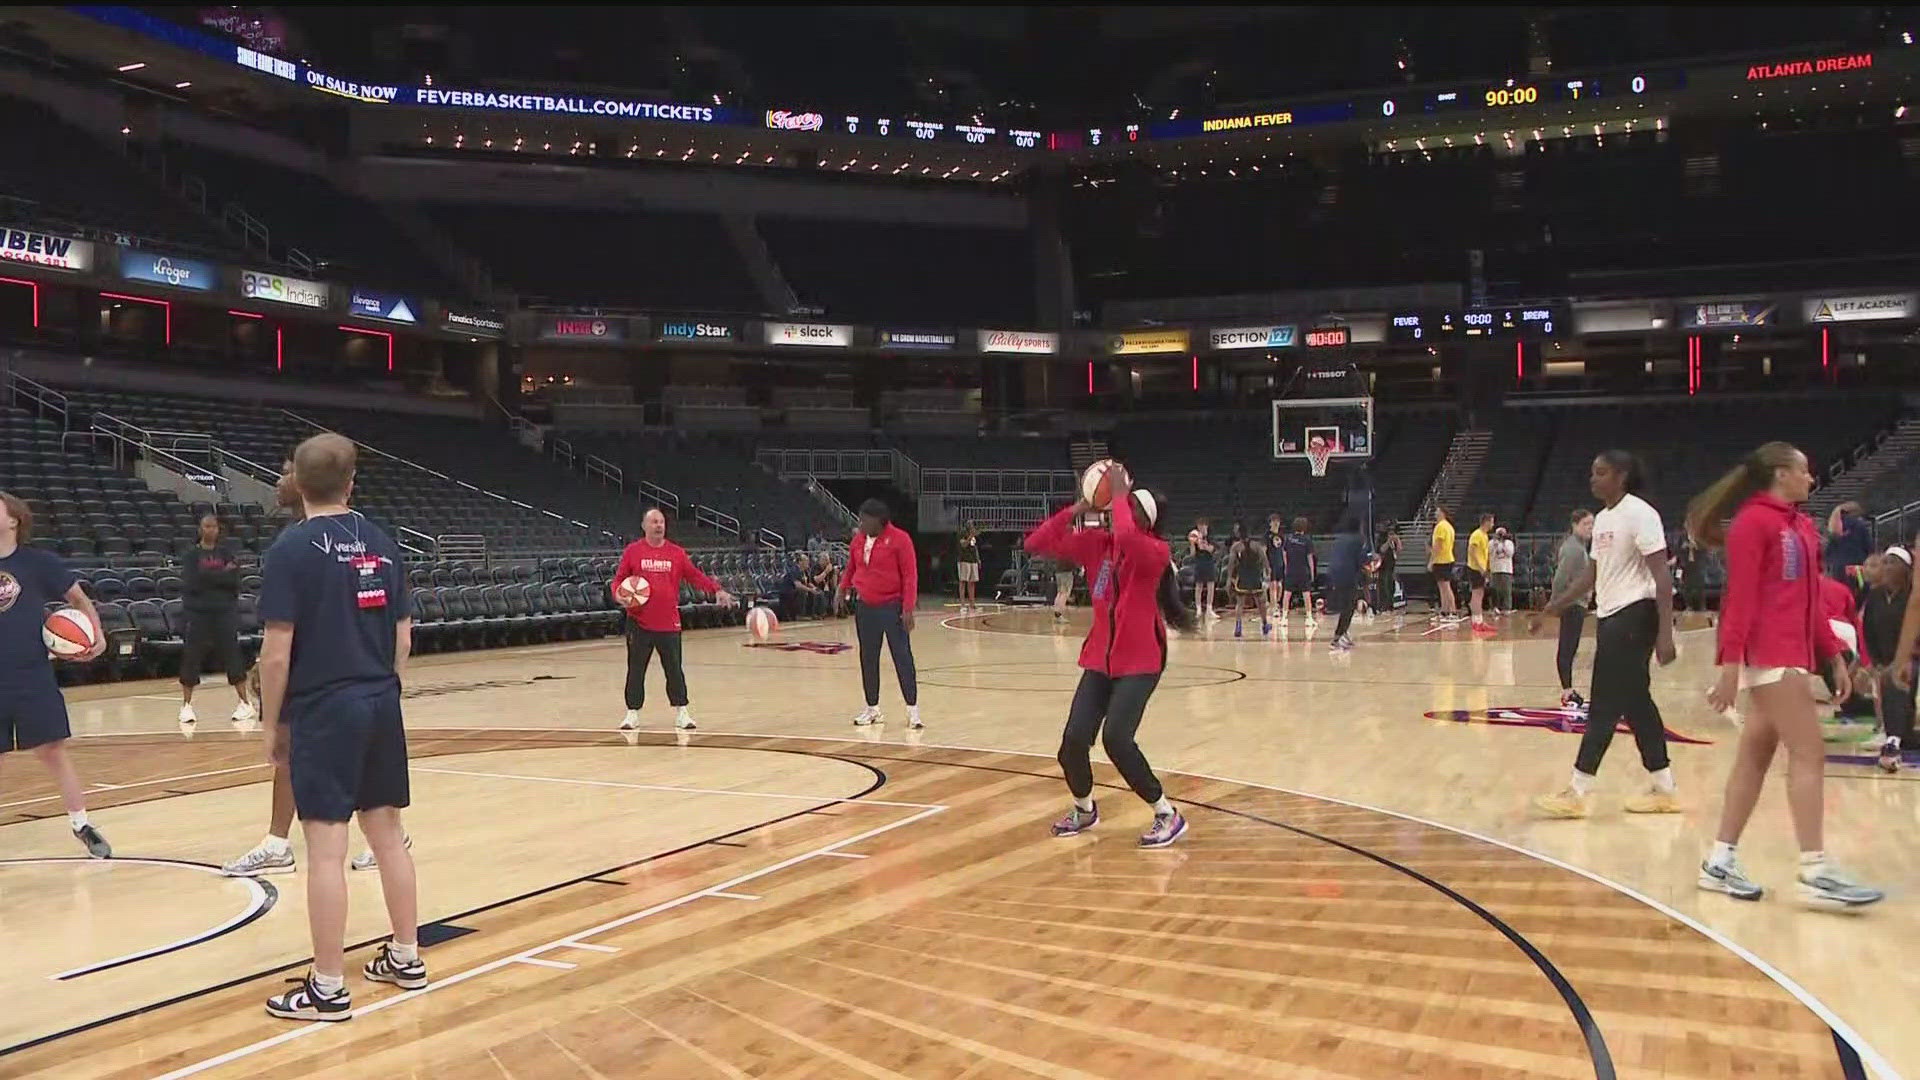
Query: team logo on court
point(1567, 721)
point(9, 590)
point(823, 648)
point(1909, 760)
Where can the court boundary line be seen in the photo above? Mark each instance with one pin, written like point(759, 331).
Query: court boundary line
point(264, 897)
point(1871, 1057)
point(820, 800)
point(531, 955)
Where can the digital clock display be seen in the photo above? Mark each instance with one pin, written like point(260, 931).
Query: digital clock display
point(1428, 327)
point(1515, 95)
point(1327, 337)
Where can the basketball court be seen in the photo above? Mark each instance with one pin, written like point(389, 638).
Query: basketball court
point(1362, 892)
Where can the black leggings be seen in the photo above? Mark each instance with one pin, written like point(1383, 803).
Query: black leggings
point(1622, 687)
point(871, 622)
point(1344, 599)
point(641, 645)
point(216, 633)
point(1119, 703)
point(1896, 711)
point(1572, 621)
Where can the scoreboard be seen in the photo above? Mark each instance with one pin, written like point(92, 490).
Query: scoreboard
point(1432, 327)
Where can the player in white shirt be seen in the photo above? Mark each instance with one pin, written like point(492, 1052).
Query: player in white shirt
point(1634, 602)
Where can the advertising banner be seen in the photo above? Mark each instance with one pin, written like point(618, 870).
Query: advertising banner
point(714, 331)
point(1724, 313)
point(817, 335)
point(917, 340)
point(1252, 337)
point(1137, 342)
point(1029, 342)
point(1825, 309)
point(582, 329)
point(45, 249)
point(168, 270)
point(387, 307)
point(475, 323)
point(259, 285)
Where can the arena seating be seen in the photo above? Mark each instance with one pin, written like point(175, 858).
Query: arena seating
point(674, 261)
point(71, 177)
point(390, 492)
point(352, 237)
point(889, 272)
point(716, 471)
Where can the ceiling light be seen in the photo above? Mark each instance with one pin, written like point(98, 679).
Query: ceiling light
point(132, 67)
point(181, 85)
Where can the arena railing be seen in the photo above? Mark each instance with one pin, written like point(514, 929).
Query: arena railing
point(1896, 526)
point(46, 402)
point(945, 481)
point(716, 519)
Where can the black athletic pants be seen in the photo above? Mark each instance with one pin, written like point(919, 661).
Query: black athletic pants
point(1572, 621)
point(218, 633)
point(871, 622)
point(1344, 599)
point(1622, 687)
point(1118, 703)
point(1896, 711)
point(641, 645)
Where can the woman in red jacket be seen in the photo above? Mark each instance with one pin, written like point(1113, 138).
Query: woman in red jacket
point(1130, 577)
point(1773, 633)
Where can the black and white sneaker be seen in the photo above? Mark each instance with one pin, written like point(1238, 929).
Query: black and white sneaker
point(96, 845)
point(405, 974)
point(304, 1002)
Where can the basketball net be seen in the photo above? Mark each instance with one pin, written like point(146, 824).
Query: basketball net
point(1318, 456)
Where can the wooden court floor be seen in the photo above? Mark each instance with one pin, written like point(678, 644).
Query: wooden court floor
point(1362, 893)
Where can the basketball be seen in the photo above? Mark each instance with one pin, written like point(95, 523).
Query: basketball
point(1095, 488)
point(632, 592)
point(67, 633)
point(762, 622)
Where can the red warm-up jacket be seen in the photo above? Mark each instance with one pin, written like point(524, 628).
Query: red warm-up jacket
point(891, 574)
point(1124, 566)
point(1772, 614)
point(1838, 605)
point(663, 567)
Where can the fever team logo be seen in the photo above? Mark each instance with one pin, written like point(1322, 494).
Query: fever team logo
point(1566, 721)
point(821, 648)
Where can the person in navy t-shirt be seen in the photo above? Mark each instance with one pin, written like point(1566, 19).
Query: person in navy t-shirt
point(338, 630)
point(33, 715)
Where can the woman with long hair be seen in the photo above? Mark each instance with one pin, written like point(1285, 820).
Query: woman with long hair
point(1633, 595)
point(1135, 597)
point(1773, 634)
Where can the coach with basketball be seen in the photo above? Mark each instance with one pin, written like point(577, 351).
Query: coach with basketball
point(647, 585)
point(885, 578)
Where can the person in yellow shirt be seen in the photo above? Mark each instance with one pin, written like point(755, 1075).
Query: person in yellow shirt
point(1479, 555)
point(1440, 560)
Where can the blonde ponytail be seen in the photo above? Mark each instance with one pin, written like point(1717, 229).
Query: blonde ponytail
point(1707, 514)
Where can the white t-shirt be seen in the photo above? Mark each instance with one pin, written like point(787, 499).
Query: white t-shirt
point(1500, 557)
point(866, 553)
point(1624, 535)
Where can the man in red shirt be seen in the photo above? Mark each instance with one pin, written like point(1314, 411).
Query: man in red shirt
point(655, 624)
point(881, 570)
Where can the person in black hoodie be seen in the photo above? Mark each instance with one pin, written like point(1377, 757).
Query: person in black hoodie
point(211, 600)
point(1880, 615)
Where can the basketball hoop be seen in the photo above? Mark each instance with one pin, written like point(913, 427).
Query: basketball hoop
point(1319, 452)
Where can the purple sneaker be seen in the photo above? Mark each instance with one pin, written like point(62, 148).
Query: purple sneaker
point(1166, 829)
point(1077, 821)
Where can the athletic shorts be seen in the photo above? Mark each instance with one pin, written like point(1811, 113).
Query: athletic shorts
point(969, 571)
point(1298, 583)
point(1240, 589)
point(1751, 677)
point(32, 716)
point(1476, 579)
point(1063, 582)
point(348, 752)
point(1203, 572)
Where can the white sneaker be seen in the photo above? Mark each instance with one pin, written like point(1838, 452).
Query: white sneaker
point(684, 721)
point(913, 718)
point(869, 715)
point(188, 716)
point(245, 713)
point(631, 720)
point(259, 862)
point(367, 860)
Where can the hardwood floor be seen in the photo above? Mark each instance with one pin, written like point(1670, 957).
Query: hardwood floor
point(781, 894)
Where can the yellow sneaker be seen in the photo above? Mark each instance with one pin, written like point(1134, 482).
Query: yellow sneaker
point(1567, 803)
point(1653, 801)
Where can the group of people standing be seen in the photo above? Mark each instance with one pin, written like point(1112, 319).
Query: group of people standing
point(1782, 624)
point(1264, 574)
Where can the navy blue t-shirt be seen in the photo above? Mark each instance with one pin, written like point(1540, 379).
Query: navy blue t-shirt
point(1299, 556)
point(338, 580)
point(29, 578)
point(1346, 560)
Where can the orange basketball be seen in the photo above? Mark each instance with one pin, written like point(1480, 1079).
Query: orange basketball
point(632, 592)
point(1095, 486)
point(762, 622)
point(67, 633)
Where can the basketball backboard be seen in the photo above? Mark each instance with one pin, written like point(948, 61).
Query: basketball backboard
point(1345, 424)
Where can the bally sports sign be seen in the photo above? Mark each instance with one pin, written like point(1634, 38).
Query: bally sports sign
point(1031, 342)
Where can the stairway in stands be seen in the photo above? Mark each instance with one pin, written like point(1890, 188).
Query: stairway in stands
point(1465, 455)
point(1900, 445)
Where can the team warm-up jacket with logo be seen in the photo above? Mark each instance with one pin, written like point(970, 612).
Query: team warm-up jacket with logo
point(1771, 614)
point(663, 568)
point(1124, 567)
point(888, 574)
